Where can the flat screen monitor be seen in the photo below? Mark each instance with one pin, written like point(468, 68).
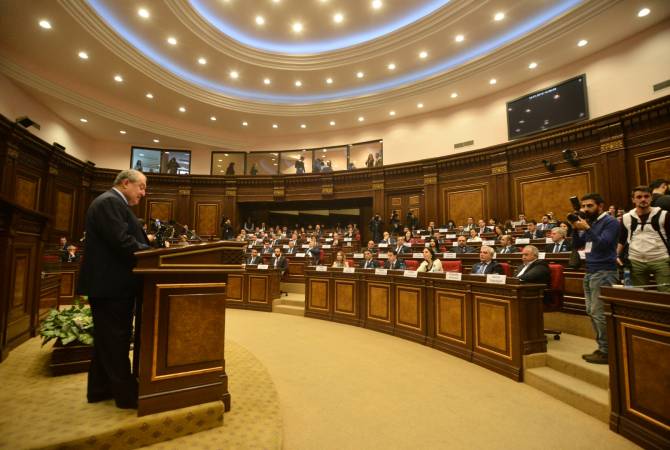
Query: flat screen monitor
point(549, 108)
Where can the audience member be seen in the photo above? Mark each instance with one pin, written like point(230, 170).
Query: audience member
point(532, 269)
point(254, 259)
point(368, 262)
point(462, 246)
point(559, 243)
point(660, 189)
point(506, 246)
point(430, 263)
point(533, 232)
point(340, 260)
point(279, 261)
point(392, 261)
point(487, 264)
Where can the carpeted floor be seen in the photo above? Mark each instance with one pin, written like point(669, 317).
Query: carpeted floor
point(344, 387)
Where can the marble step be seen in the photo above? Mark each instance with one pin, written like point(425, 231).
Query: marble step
point(289, 309)
point(296, 288)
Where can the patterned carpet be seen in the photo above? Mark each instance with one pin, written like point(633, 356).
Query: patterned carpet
point(41, 411)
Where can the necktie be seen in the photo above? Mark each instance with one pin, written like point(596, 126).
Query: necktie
point(557, 248)
point(482, 268)
point(276, 262)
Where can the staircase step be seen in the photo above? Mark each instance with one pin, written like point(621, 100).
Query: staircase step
point(288, 309)
point(291, 299)
point(582, 395)
point(565, 356)
point(296, 288)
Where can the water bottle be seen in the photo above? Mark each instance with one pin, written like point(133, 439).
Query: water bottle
point(627, 282)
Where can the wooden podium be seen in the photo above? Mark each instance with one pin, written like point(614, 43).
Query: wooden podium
point(182, 324)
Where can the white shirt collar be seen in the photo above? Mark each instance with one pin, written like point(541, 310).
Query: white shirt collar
point(121, 195)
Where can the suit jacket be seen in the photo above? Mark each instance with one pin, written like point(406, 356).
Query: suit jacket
point(389, 242)
point(459, 249)
point(291, 251)
point(398, 265)
point(537, 272)
point(371, 265)
point(537, 235)
point(282, 263)
point(314, 253)
point(565, 247)
point(267, 250)
point(113, 235)
point(510, 249)
point(402, 249)
point(257, 260)
point(492, 267)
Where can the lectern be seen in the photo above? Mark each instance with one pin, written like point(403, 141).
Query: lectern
point(182, 324)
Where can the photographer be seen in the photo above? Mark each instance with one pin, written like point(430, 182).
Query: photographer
point(376, 227)
point(598, 233)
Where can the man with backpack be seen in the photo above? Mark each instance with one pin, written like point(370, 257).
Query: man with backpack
point(646, 229)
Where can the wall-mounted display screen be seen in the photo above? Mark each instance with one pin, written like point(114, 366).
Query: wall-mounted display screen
point(151, 160)
point(548, 108)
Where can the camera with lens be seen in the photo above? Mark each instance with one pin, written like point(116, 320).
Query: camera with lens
point(576, 214)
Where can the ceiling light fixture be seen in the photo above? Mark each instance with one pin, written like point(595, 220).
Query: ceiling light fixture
point(493, 81)
point(213, 118)
point(582, 43)
point(172, 41)
point(391, 66)
point(245, 124)
point(643, 12)
point(423, 54)
point(302, 125)
point(266, 81)
point(532, 65)
point(391, 113)
point(149, 95)
point(118, 78)
point(360, 74)
point(202, 61)
point(83, 55)
point(459, 38)
point(454, 94)
point(419, 105)
point(361, 119)
point(297, 27)
point(234, 75)
point(329, 80)
point(332, 123)
point(182, 109)
point(376, 4)
point(274, 125)
point(45, 24)
point(122, 131)
point(143, 13)
point(83, 120)
point(156, 141)
point(260, 20)
point(298, 83)
point(338, 18)
point(499, 16)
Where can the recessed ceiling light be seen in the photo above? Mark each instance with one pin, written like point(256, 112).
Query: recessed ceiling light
point(332, 123)
point(532, 65)
point(391, 113)
point(454, 94)
point(419, 105)
point(149, 95)
point(302, 125)
point(267, 81)
point(118, 78)
point(643, 12)
point(423, 54)
point(499, 16)
point(298, 83)
point(143, 13)
point(376, 4)
point(582, 43)
point(493, 81)
point(360, 74)
point(213, 118)
point(274, 125)
point(329, 80)
point(276, 1)
point(172, 41)
point(361, 119)
point(459, 38)
point(83, 55)
point(156, 141)
point(338, 18)
point(182, 109)
point(234, 75)
point(245, 124)
point(297, 27)
point(391, 66)
point(83, 120)
point(122, 131)
point(45, 24)
point(260, 20)
point(202, 61)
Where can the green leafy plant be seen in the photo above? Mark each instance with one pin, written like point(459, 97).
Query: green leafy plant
point(73, 324)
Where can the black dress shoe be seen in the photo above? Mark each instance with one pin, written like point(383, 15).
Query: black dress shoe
point(127, 404)
point(599, 358)
point(95, 398)
point(597, 352)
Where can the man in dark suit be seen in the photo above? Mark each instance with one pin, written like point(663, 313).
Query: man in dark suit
point(368, 262)
point(291, 250)
point(387, 239)
point(506, 246)
point(393, 262)
point(532, 270)
point(533, 232)
point(559, 245)
point(482, 228)
point(254, 259)
point(462, 246)
point(279, 261)
point(400, 246)
point(486, 264)
point(313, 251)
point(267, 248)
point(113, 235)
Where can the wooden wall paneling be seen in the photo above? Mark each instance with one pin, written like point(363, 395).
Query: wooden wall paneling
point(499, 181)
point(378, 206)
point(183, 207)
point(430, 195)
point(160, 208)
point(27, 190)
point(539, 193)
point(9, 154)
point(230, 206)
point(207, 218)
point(64, 212)
point(464, 202)
point(652, 165)
point(613, 161)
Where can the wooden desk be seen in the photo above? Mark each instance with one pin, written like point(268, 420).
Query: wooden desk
point(638, 331)
point(490, 324)
point(253, 289)
point(69, 273)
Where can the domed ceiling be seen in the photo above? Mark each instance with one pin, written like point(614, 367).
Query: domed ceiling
point(229, 73)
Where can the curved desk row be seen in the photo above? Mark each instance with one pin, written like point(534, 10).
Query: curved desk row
point(492, 325)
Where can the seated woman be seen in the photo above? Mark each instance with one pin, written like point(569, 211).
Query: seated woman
point(430, 262)
point(473, 236)
point(499, 232)
point(340, 260)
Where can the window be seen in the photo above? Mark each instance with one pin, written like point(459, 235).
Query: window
point(366, 155)
point(228, 163)
point(266, 163)
point(330, 159)
point(295, 162)
point(150, 160)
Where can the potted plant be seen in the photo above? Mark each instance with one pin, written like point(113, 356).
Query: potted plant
point(73, 330)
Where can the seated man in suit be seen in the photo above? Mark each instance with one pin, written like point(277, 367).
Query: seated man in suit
point(267, 248)
point(545, 225)
point(469, 224)
point(482, 228)
point(560, 245)
point(387, 239)
point(313, 251)
point(506, 245)
point(532, 270)
point(393, 262)
point(279, 261)
point(533, 232)
point(462, 247)
point(254, 259)
point(486, 264)
point(71, 255)
point(371, 247)
point(291, 250)
point(400, 247)
point(368, 262)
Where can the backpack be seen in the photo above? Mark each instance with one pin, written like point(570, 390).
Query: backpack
point(655, 224)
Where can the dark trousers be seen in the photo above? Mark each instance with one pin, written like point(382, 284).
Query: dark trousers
point(110, 375)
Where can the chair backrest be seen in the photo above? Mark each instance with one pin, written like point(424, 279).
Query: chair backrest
point(553, 296)
point(452, 266)
point(506, 268)
point(351, 262)
point(411, 264)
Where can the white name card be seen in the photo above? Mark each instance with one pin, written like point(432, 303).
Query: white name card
point(495, 255)
point(549, 240)
point(305, 246)
point(358, 255)
point(250, 246)
point(382, 245)
point(348, 244)
point(329, 239)
point(262, 266)
point(582, 254)
point(454, 244)
point(443, 230)
point(450, 236)
point(299, 255)
point(453, 276)
point(449, 255)
point(347, 239)
point(417, 255)
point(488, 242)
point(380, 271)
point(326, 246)
point(494, 278)
point(285, 246)
point(407, 244)
point(522, 241)
point(349, 270)
point(322, 268)
point(541, 255)
point(427, 244)
point(410, 273)
point(383, 256)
